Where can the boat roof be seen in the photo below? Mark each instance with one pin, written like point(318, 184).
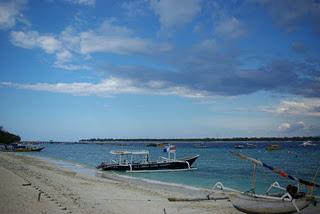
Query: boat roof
point(126, 152)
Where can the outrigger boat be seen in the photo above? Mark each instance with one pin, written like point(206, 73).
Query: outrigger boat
point(127, 161)
point(291, 200)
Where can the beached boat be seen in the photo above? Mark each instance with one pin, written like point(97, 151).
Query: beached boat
point(290, 200)
point(273, 147)
point(133, 161)
point(264, 204)
point(245, 146)
point(20, 148)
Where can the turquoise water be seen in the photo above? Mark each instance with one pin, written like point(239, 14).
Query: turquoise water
point(216, 163)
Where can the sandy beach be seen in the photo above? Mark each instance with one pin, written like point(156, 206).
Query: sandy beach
point(31, 185)
point(61, 191)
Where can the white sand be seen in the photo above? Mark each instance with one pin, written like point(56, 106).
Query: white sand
point(69, 192)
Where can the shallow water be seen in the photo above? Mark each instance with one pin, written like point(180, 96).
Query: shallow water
point(216, 163)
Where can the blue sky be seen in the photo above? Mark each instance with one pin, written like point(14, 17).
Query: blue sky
point(73, 69)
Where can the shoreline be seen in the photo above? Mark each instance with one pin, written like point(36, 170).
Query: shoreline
point(68, 191)
point(93, 172)
point(64, 191)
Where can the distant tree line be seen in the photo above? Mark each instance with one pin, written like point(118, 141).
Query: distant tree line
point(205, 139)
point(7, 137)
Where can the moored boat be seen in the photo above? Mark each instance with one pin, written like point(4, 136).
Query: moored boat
point(20, 148)
point(128, 161)
point(273, 147)
point(307, 143)
point(245, 146)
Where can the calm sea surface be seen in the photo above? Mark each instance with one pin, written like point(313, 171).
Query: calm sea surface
point(216, 163)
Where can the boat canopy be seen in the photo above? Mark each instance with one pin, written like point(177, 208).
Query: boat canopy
point(126, 152)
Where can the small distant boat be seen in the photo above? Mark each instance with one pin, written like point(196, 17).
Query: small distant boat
point(273, 147)
point(127, 161)
point(291, 200)
point(245, 146)
point(307, 143)
point(21, 148)
point(200, 145)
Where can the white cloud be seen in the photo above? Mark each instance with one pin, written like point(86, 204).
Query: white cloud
point(293, 127)
point(284, 126)
point(306, 106)
point(70, 39)
point(10, 12)
point(175, 13)
point(70, 67)
point(83, 2)
point(230, 27)
point(64, 56)
point(107, 38)
point(49, 44)
point(111, 86)
point(111, 38)
point(32, 39)
point(62, 46)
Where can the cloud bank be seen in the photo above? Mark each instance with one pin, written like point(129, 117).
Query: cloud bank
point(109, 87)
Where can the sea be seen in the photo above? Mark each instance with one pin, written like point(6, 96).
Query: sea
point(216, 163)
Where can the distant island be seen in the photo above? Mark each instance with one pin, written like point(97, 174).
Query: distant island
point(7, 137)
point(94, 140)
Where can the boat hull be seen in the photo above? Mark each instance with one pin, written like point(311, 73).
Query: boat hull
point(260, 204)
point(184, 163)
point(24, 150)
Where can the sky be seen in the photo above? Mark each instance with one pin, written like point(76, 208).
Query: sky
point(74, 69)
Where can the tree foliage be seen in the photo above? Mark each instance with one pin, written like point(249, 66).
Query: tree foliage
point(7, 137)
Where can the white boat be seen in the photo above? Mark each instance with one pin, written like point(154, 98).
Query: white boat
point(263, 204)
point(291, 200)
point(307, 143)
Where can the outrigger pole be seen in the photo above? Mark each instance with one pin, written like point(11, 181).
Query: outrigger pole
point(276, 170)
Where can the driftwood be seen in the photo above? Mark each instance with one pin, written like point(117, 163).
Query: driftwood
point(197, 199)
